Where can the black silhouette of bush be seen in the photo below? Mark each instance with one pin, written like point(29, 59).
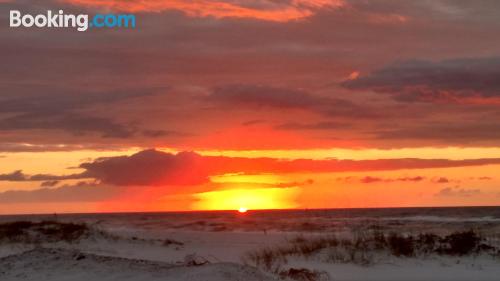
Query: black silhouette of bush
point(460, 243)
point(14, 231)
point(267, 259)
point(45, 231)
point(379, 240)
point(400, 245)
point(169, 242)
point(304, 274)
point(427, 242)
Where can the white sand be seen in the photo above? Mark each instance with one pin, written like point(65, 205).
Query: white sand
point(51, 264)
point(150, 260)
point(440, 269)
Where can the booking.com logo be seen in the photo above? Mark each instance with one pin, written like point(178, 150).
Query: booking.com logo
point(80, 22)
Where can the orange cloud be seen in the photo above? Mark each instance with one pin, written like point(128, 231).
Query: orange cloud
point(261, 10)
point(152, 167)
point(157, 168)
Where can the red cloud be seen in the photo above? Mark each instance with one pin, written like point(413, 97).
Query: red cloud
point(156, 168)
point(152, 167)
point(261, 10)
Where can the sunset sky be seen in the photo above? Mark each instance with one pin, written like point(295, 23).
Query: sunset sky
point(258, 104)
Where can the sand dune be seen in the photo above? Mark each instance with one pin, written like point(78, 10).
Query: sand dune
point(59, 264)
point(143, 248)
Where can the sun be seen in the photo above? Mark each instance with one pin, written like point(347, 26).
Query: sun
point(242, 210)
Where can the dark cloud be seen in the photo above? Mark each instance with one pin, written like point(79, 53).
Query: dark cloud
point(295, 183)
point(156, 133)
point(448, 80)
point(370, 179)
point(411, 179)
point(81, 192)
point(441, 180)
point(75, 124)
point(20, 176)
point(253, 122)
point(156, 168)
point(27, 147)
point(45, 99)
point(327, 125)
point(38, 107)
point(49, 183)
point(149, 167)
point(449, 133)
point(458, 192)
point(484, 178)
point(56, 74)
point(152, 167)
point(14, 176)
point(162, 133)
point(250, 96)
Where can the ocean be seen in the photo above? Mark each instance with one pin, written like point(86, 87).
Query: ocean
point(442, 219)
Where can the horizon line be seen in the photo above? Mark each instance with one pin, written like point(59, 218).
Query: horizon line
point(249, 211)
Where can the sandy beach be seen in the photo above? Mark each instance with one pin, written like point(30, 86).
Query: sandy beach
point(118, 249)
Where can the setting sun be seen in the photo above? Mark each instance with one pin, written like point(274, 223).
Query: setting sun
point(243, 210)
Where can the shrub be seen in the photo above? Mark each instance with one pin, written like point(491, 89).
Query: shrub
point(427, 242)
point(361, 249)
point(461, 243)
point(168, 242)
point(268, 259)
point(304, 274)
point(14, 231)
point(45, 231)
point(379, 240)
point(400, 245)
point(308, 246)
